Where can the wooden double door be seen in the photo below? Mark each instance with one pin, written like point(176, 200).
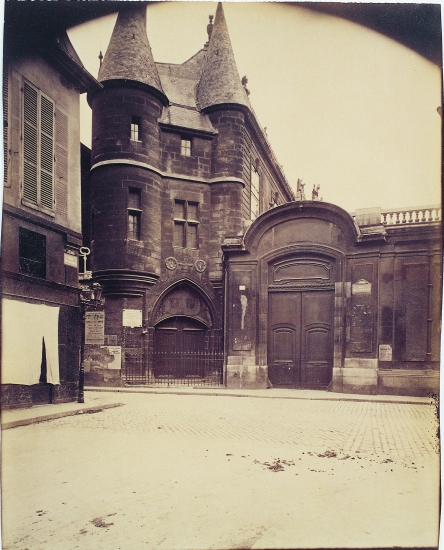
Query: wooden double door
point(300, 346)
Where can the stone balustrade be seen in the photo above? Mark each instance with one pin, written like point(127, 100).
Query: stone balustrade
point(401, 216)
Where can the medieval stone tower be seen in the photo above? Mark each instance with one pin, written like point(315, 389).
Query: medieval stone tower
point(178, 164)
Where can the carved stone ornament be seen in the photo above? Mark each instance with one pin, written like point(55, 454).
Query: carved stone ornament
point(200, 265)
point(184, 301)
point(171, 263)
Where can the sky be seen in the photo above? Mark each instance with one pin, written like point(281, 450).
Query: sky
point(344, 107)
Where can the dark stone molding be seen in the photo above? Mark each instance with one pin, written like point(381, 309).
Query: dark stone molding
point(71, 236)
point(126, 83)
point(166, 175)
point(31, 289)
point(124, 282)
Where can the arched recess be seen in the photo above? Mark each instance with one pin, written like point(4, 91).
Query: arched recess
point(308, 211)
point(184, 297)
point(186, 340)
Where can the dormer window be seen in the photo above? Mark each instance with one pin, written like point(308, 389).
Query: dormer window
point(135, 128)
point(185, 147)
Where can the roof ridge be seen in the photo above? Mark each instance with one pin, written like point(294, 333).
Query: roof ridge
point(180, 64)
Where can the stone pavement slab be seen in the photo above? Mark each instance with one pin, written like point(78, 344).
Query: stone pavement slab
point(269, 393)
point(40, 413)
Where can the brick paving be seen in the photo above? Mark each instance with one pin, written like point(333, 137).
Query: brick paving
point(396, 430)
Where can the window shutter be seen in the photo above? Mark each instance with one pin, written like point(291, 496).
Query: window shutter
point(46, 152)
point(61, 166)
point(6, 119)
point(30, 144)
point(15, 128)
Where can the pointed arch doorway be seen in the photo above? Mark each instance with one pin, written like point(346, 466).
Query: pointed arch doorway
point(187, 350)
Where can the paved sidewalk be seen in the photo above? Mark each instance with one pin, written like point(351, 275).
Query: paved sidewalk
point(101, 400)
point(41, 413)
point(272, 393)
point(176, 472)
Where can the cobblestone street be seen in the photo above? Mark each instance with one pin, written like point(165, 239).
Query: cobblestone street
point(198, 472)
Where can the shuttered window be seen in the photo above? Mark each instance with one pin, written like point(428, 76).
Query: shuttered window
point(5, 122)
point(61, 164)
point(38, 148)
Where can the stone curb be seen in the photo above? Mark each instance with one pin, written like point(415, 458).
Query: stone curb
point(54, 415)
point(405, 400)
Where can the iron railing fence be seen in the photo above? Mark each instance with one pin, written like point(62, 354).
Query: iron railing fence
point(175, 368)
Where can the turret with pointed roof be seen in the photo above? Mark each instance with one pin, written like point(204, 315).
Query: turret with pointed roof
point(220, 82)
point(129, 55)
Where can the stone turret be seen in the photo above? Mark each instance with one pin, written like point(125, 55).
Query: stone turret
point(222, 96)
point(126, 157)
point(220, 83)
point(129, 53)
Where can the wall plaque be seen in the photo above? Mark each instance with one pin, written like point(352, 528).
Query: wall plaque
point(132, 318)
point(385, 352)
point(70, 260)
point(95, 327)
point(362, 287)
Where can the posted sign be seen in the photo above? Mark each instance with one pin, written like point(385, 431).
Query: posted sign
point(385, 352)
point(95, 327)
point(132, 318)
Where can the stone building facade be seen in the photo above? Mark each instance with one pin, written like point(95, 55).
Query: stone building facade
point(214, 272)
point(41, 230)
point(176, 164)
point(322, 299)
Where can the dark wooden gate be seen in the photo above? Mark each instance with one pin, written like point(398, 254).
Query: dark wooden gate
point(300, 349)
point(183, 354)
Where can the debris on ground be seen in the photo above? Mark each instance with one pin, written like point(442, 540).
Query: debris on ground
point(277, 465)
point(328, 454)
point(98, 522)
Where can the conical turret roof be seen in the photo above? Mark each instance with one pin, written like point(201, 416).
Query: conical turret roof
point(129, 53)
point(220, 82)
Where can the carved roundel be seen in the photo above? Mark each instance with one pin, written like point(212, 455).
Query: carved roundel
point(171, 263)
point(200, 265)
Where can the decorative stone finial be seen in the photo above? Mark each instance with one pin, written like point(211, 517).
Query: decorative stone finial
point(210, 26)
point(100, 57)
point(209, 29)
point(244, 82)
point(315, 192)
point(300, 193)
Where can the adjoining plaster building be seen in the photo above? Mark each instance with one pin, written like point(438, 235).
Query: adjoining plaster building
point(41, 231)
point(213, 272)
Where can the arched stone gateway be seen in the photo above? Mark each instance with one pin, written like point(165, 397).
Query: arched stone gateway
point(318, 299)
point(186, 345)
